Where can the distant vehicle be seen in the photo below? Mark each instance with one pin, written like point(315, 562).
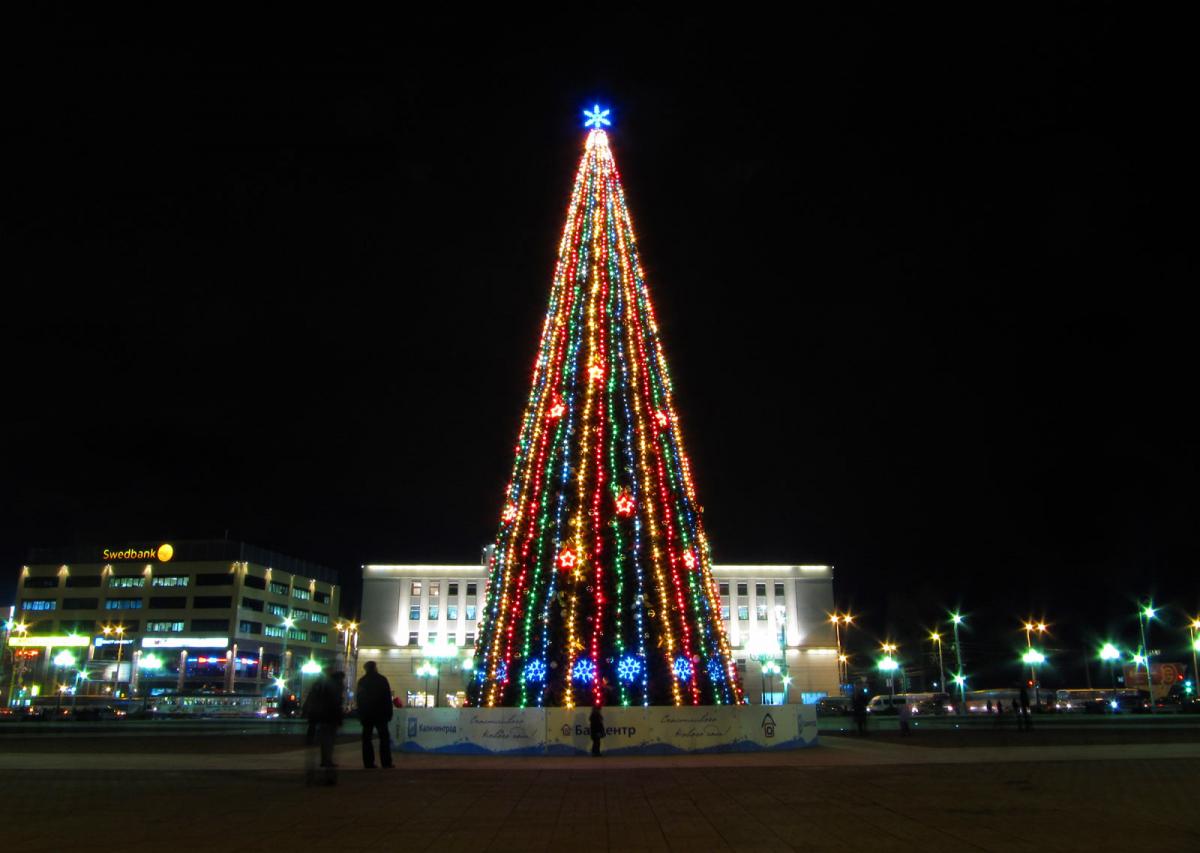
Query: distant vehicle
point(885, 704)
point(922, 704)
point(833, 706)
point(1123, 702)
point(1075, 700)
point(213, 705)
point(98, 712)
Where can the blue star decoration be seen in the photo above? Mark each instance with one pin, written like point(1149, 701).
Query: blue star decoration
point(596, 118)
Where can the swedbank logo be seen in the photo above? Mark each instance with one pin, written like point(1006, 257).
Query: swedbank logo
point(163, 553)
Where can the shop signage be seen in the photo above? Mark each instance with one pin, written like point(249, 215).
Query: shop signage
point(55, 642)
point(185, 642)
point(163, 553)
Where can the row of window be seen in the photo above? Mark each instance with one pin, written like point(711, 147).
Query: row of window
point(208, 579)
point(414, 638)
point(743, 611)
point(277, 631)
point(435, 589)
point(209, 602)
point(760, 589)
point(414, 612)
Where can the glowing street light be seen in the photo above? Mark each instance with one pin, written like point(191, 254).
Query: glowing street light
point(1110, 654)
point(956, 619)
point(1145, 614)
point(117, 631)
point(889, 665)
point(311, 667)
point(937, 638)
point(838, 620)
point(426, 671)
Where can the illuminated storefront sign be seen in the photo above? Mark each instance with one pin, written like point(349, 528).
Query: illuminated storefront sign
point(163, 553)
point(56, 641)
point(185, 642)
point(105, 641)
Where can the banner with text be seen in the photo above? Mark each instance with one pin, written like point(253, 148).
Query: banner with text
point(629, 731)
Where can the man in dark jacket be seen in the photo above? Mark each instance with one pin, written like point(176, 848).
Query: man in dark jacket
point(374, 713)
point(324, 708)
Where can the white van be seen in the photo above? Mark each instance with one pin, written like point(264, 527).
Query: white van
point(885, 704)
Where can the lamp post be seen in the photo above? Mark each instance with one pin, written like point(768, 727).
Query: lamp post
point(146, 665)
point(838, 620)
point(960, 678)
point(937, 638)
point(763, 648)
point(117, 631)
point(1192, 630)
point(62, 660)
point(11, 626)
point(1109, 654)
point(1035, 659)
point(889, 665)
point(426, 671)
point(771, 669)
point(288, 622)
point(1145, 614)
point(310, 667)
point(1030, 627)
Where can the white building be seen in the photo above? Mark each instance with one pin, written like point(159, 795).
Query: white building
point(417, 614)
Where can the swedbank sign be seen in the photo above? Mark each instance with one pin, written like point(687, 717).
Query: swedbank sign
point(163, 553)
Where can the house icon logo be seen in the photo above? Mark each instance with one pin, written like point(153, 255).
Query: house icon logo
point(566, 730)
point(768, 726)
point(412, 726)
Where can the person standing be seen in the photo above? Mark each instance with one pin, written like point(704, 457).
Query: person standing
point(596, 728)
point(1026, 717)
point(324, 710)
point(905, 715)
point(374, 714)
point(859, 705)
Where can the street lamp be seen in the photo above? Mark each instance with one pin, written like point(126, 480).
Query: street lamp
point(1035, 659)
point(119, 632)
point(426, 670)
point(438, 652)
point(889, 665)
point(937, 638)
point(288, 624)
point(62, 660)
point(1145, 614)
point(960, 679)
point(763, 648)
point(1109, 654)
point(770, 668)
point(838, 620)
point(12, 626)
point(1193, 630)
point(148, 664)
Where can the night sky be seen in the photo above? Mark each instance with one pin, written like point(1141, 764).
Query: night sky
point(922, 285)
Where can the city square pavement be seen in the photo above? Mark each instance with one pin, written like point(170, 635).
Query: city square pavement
point(847, 794)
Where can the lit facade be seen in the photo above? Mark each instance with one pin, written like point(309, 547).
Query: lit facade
point(206, 616)
point(420, 623)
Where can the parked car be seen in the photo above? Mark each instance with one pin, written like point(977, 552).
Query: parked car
point(833, 706)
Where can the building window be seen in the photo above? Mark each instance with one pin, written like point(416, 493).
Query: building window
point(760, 589)
point(415, 590)
point(743, 612)
point(322, 597)
point(435, 589)
point(214, 579)
point(165, 627)
point(211, 602)
point(451, 611)
point(277, 609)
point(298, 634)
point(452, 639)
point(41, 583)
point(451, 589)
point(433, 612)
point(80, 580)
point(320, 618)
point(470, 589)
point(170, 580)
point(168, 602)
point(760, 611)
point(741, 665)
point(741, 588)
point(432, 637)
point(273, 631)
point(469, 639)
point(725, 612)
point(301, 593)
point(254, 581)
point(299, 614)
point(779, 590)
point(724, 587)
point(413, 639)
point(414, 613)
point(321, 639)
point(39, 604)
point(123, 604)
point(252, 603)
point(221, 625)
point(247, 627)
point(278, 588)
point(79, 604)
point(470, 612)
point(127, 583)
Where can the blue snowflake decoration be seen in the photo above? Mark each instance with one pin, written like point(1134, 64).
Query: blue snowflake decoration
point(596, 118)
point(716, 670)
point(535, 670)
point(480, 673)
point(502, 672)
point(683, 668)
point(584, 671)
point(628, 669)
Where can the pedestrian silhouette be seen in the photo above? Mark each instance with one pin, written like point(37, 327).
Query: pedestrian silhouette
point(325, 705)
point(596, 728)
point(859, 705)
point(374, 714)
point(1026, 717)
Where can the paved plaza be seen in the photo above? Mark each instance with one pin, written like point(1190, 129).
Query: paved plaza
point(847, 794)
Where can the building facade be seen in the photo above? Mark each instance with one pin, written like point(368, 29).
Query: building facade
point(419, 623)
point(182, 618)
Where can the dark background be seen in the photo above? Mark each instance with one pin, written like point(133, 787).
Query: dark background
point(922, 282)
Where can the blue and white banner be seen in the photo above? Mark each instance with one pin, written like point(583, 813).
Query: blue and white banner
point(627, 731)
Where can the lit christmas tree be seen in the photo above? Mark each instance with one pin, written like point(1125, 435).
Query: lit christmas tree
point(600, 583)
